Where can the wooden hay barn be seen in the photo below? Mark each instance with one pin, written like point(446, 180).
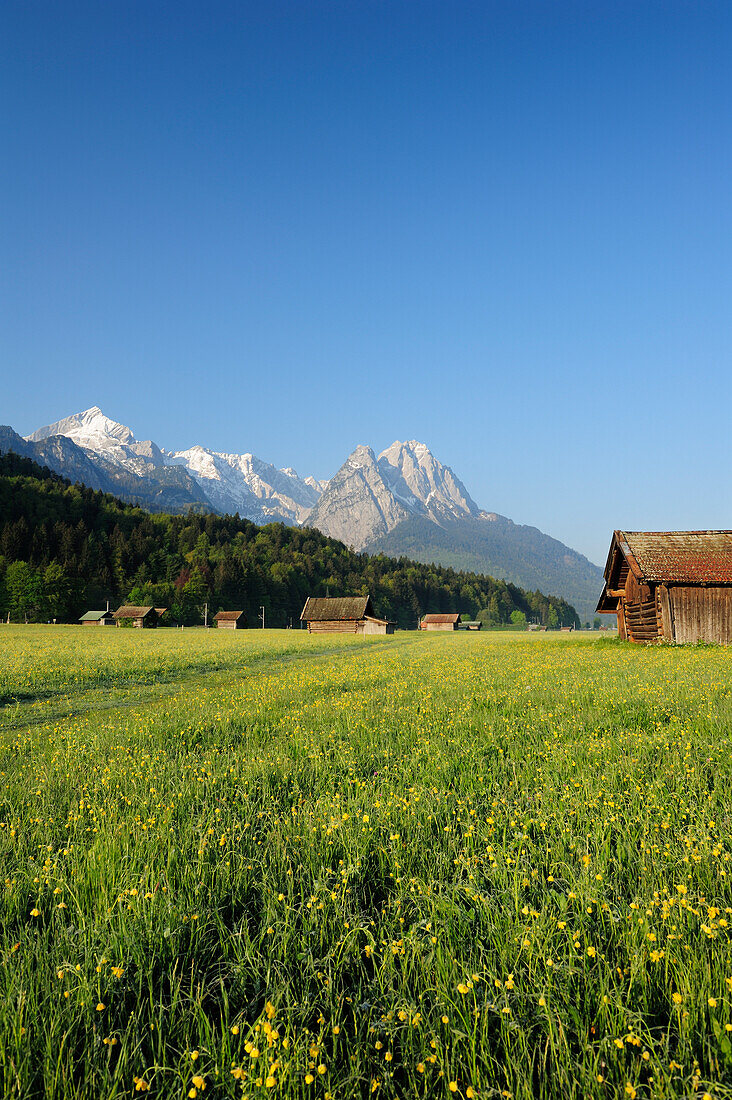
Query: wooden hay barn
point(440, 622)
point(671, 586)
point(97, 618)
point(142, 617)
point(230, 620)
point(343, 615)
point(470, 624)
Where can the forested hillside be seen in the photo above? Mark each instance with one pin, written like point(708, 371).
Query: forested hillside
point(65, 549)
point(488, 543)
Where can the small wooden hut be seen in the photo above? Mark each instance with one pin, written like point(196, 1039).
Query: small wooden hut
point(230, 620)
point(673, 586)
point(160, 611)
point(471, 624)
point(97, 618)
point(141, 617)
point(343, 615)
point(440, 622)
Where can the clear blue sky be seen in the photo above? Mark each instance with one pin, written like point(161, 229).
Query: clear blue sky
point(501, 228)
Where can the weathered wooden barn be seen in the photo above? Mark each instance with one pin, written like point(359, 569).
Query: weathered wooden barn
point(98, 618)
point(470, 624)
point(142, 617)
point(440, 622)
point(672, 586)
point(343, 615)
point(230, 620)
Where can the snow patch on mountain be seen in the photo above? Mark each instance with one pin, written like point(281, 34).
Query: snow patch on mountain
point(247, 485)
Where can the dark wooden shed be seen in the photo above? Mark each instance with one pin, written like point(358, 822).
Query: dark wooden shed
point(673, 586)
point(440, 622)
point(343, 615)
point(230, 620)
point(142, 617)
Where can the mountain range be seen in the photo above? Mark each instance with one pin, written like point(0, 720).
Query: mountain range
point(401, 502)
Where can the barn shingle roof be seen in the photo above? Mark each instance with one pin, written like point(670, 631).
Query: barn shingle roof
point(678, 557)
point(228, 616)
point(131, 612)
point(441, 618)
point(319, 609)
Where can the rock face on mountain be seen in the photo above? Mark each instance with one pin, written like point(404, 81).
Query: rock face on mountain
point(358, 504)
point(60, 455)
point(405, 502)
point(369, 497)
point(415, 476)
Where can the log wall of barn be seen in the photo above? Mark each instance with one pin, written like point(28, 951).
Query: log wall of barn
point(701, 614)
point(335, 627)
point(641, 611)
point(641, 620)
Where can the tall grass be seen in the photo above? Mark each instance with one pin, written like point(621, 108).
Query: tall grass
point(275, 865)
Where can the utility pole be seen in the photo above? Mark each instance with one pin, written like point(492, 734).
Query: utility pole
point(205, 614)
point(261, 615)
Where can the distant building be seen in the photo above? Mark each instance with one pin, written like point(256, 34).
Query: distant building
point(98, 618)
point(470, 624)
point(343, 615)
point(673, 586)
point(160, 611)
point(141, 617)
point(230, 620)
point(440, 622)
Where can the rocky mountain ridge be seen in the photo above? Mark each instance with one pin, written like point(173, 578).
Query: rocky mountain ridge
point(226, 482)
point(403, 501)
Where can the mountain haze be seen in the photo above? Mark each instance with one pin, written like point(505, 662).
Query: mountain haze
point(402, 502)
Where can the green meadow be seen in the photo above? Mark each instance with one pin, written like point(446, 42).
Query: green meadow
point(265, 864)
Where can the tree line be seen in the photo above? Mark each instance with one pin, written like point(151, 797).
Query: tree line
point(66, 549)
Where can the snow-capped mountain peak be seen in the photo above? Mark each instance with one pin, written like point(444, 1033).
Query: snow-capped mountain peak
point(90, 428)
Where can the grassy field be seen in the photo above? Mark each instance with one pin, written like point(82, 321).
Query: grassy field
point(267, 864)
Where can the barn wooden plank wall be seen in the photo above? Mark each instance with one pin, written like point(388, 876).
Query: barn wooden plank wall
point(701, 614)
point(340, 626)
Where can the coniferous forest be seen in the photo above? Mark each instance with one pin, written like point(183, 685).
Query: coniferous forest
point(65, 549)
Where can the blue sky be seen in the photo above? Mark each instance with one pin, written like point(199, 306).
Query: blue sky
point(501, 228)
